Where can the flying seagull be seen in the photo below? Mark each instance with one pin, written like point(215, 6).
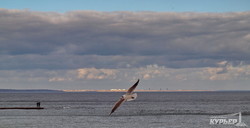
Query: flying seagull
point(126, 97)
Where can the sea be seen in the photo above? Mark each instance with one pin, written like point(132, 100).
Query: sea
point(149, 110)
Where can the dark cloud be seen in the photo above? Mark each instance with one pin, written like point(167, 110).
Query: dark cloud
point(47, 40)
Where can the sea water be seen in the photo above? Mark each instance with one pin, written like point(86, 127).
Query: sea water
point(149, 110)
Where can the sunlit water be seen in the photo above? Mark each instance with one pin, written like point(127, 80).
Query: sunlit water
point(149, 110)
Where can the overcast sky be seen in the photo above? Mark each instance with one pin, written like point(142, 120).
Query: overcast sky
point(105, 49)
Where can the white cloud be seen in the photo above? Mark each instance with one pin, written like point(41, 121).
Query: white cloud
point(247, 37)
point(152, 71)
point(225, 72)
point(93, 73)
point(241, 72)
point(222, 63)
point(89, 77)
point(58, 79)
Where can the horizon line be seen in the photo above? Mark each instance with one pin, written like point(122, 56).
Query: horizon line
point(119, 90)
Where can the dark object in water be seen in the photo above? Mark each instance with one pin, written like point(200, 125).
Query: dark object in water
point(38, 104)
point(22, 108)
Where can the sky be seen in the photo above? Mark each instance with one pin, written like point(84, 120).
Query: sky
point(130, 5)
point(105, 45)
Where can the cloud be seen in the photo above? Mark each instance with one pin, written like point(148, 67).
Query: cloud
point(80, 39)
point(152, 71)
point(228, 72)
point(57, 79)
point(108, 49)
point(224, 67)
point(93, 73)
point(93, 78)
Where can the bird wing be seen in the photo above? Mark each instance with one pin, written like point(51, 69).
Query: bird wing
point(131, 89)
point(117, 104)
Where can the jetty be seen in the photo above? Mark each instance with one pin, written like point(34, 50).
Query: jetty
point(38, 106)
point(21, 108)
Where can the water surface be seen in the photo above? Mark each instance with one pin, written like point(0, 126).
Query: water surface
point(149, 110)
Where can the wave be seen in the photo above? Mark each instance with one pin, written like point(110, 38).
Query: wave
point(160, 114)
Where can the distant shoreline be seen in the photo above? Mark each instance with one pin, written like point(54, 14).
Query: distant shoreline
point(111, 90)
point(28, 91)
point(123, 90)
